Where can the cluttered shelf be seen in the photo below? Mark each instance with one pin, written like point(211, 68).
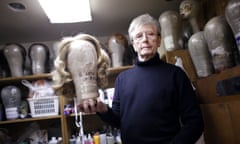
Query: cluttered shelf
point(112, 72)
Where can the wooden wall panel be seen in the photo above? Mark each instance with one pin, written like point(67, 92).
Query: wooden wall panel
point(220, 6)
point(218, 125)
point(206, 87)
point(213, 8)
point(187, 61)
point(234, 109)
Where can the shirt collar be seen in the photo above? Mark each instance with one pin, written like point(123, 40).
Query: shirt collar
point(152, 61)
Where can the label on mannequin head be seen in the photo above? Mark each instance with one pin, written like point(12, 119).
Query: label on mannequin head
point(88, 82)
point(12, 113)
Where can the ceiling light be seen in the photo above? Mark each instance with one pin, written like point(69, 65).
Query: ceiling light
point(67, 11)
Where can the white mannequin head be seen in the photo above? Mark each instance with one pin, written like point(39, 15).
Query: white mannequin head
point(220, 42)
point(232, 14)
point(117, 47)
point(15, 55)
point(189, 9)
point(171, 30)
point(11, 97)
point(82, 60)
point(38, 55)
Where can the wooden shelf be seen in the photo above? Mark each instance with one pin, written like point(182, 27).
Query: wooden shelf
point(117, 70)
point(28, 77)
point(30, 119)
point(206, 87)
point(113, 73)
point(84, 114)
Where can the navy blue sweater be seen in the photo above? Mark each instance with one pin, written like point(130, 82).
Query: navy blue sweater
point(154, 103)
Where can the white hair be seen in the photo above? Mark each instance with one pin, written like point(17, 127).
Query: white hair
point(140, 21)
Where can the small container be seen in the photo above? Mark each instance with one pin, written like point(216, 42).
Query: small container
point(110, 139)
point(53, 140)
point(103, 139)
point(96, 139)
point(44, 106)
point(59, 140)
point(72, 141)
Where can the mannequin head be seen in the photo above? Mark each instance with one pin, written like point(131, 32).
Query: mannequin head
point(82, 60)
point(220, 42)
point(189, 9)
point(118, 49)
point(11, 97)
point(15, 55)
point(232, 14)
point(171, 30)
point(38, 55)
point(198, 50)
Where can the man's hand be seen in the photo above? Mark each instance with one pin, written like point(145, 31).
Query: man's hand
point(92, 106)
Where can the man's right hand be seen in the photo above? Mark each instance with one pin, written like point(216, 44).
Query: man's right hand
point(92, 106)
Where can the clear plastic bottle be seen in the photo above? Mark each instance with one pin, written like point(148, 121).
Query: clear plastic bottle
point(90, 139)
point(59, 140)
point(53, 140)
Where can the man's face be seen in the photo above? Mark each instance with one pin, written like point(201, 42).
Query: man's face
point(146, 41)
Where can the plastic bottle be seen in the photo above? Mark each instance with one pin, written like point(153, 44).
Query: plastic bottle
point(78, 140)
point(90, 139)
point(59, 140)
point(53, 141)
point(110, 139)
point(72, 140)
point(103, 139)
point(96, 138)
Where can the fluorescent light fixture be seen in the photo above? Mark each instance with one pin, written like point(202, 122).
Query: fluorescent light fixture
point(67, 11)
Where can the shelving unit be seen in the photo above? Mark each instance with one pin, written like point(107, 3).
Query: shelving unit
point(67, 124)
point(220, 113)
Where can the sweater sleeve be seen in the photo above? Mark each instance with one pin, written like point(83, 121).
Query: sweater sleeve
point(189, 111)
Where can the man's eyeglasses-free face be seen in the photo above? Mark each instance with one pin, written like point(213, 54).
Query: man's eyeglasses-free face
point(148, 35)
